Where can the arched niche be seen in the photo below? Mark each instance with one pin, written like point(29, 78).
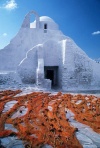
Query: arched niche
point(26, 22)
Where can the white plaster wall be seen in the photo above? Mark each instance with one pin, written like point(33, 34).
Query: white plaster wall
point(77, 70)
point(51, 53)
point(23, 42)
point(16, 50)
point(52, 57)
point(96, 74)
point(27, 67)
point(9, 78)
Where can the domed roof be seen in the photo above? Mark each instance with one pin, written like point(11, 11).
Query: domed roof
point(46, 19)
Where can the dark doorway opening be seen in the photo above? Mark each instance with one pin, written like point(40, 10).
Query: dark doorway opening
point(50, 75)
point(51, 72)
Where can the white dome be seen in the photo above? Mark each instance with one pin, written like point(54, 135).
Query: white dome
point(46, 19)
point(49, 21)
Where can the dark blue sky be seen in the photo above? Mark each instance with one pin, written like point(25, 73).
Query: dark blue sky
point(78, 19)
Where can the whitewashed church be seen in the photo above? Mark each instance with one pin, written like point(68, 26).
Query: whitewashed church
point(40, 53)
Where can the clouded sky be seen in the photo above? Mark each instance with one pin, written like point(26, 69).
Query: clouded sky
point(78, 19)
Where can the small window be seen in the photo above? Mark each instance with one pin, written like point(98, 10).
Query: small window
point(45, 26)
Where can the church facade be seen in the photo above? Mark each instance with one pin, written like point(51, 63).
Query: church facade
point(42, 54)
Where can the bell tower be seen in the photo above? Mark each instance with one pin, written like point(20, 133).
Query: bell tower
point(26, 22)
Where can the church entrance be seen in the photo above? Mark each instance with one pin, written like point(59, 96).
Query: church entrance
point(50, 75)
point(51, 72)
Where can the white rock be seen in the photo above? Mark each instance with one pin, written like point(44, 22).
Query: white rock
point(70, 115)
point(47, 146)
point(95, 137)
point(90, 146)
point(21, 112)
point(10, 127)
point(15, 144)
point(84, 140)
point(9, 105)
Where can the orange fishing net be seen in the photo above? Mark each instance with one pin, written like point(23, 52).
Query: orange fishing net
point(45, 121)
